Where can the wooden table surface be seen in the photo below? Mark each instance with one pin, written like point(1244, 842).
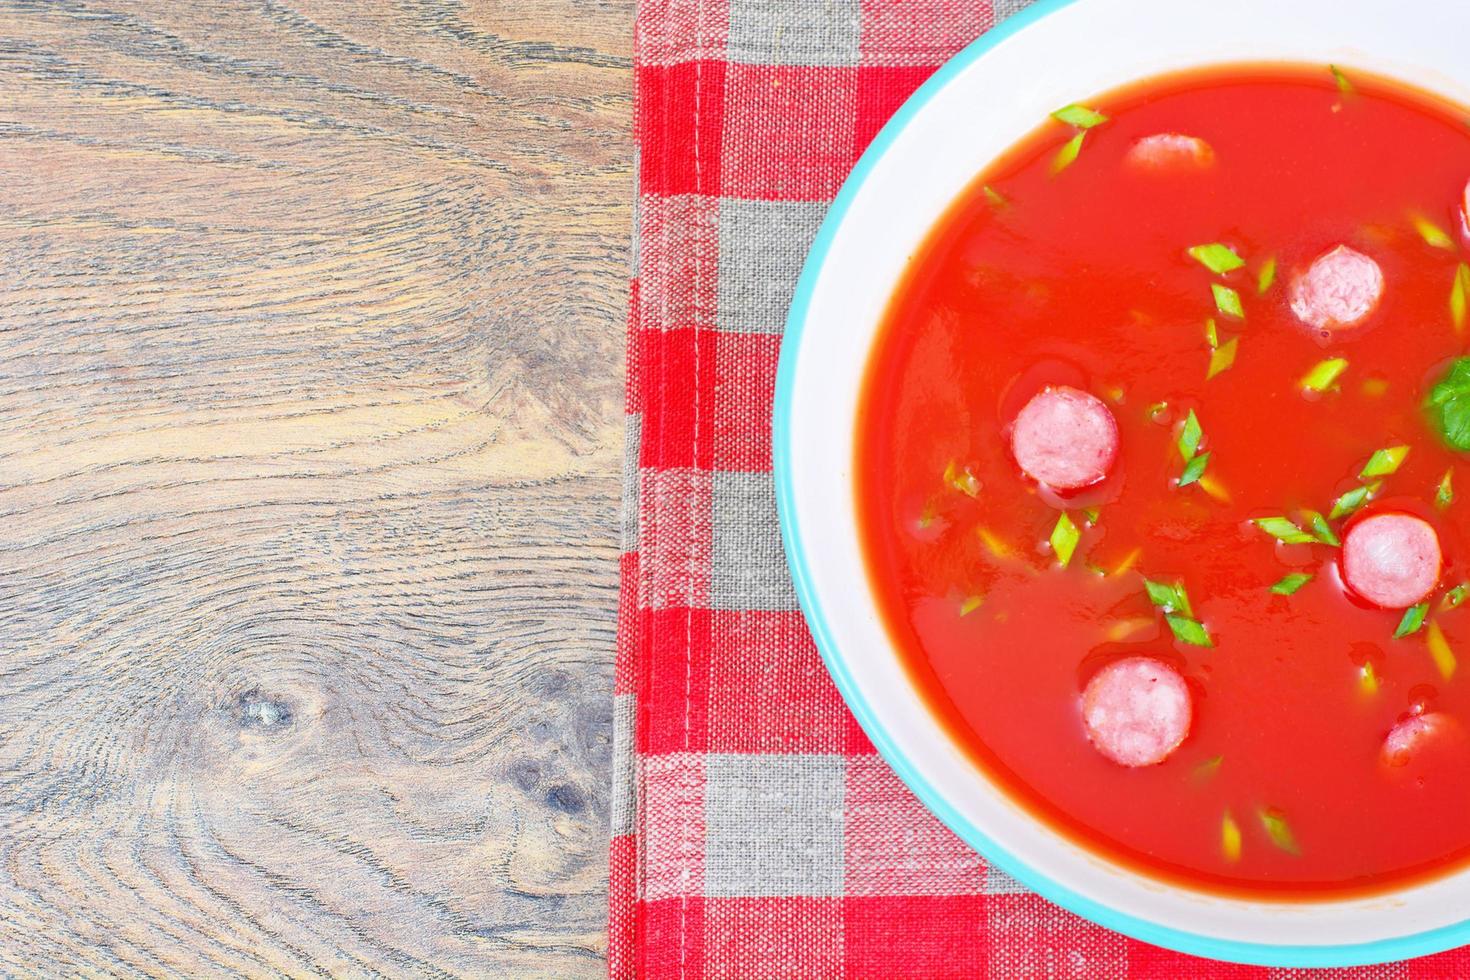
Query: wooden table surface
point(310, 426)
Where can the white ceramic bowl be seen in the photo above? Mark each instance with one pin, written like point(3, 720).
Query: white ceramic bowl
point(985, 99)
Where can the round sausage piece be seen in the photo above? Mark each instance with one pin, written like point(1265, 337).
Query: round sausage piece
point(1410, 736)
point(1166, 152)
point(1065, 438)
point(1392, 560)
point(1339, 290)
point(1137, 711)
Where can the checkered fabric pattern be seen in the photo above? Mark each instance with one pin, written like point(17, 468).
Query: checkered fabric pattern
point(756, 833)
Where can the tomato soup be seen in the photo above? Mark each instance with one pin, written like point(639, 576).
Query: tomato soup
point(1163, 481)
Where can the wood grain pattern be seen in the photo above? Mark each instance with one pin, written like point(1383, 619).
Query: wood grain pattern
point(310, 424)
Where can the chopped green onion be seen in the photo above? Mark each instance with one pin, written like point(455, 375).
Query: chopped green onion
point(1170, 598)
point(1455, 596)
point(1444, 494)
point(1222, 357)
point(1384, 461)
point(1208, 768)
point(1283, 530)
point(1439, 650)
point(1064, 538)
point(1324, 374)
point(993, 542)
point(1093, 514)
point(1353, 501)
point(1189, 436)
point(1266, 277)
point(1229, 837)
point(1343, 84)
point(1375, 387)
point(962, 480)
point(1218, 258)
point(1157, 409)
point(995, 197)
point(1289, 584)
point(1321, 530)
point(1194, 469)
point(1459, 293)
point(1187, 630)
point(1276, 827)
point(1448, 405)
point(1068, 153)
point(1368, 678)
point(1079, 116)
point(1227, 301)
point(1212, 335)
point(1432, 233)
point(1413, 619)
point(970, 604)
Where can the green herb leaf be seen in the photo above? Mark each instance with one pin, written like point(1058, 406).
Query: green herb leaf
point(1413, 619)
point(1289, 584)
point(1324, 374)
point(1384, 461)
point(1353, 501)
point(1444, 494)
point(971, 603)
point(1079, 116)
point(1194, 469)
point(995, 197)
point(1321, 530)
point(1064, 538)
point(1222, 357)
point(1189, 436)
point(1227, 301)
point(1343, 84)
point(1068, 153)
point(1216, 257)
point(1459, 293)
point(1455, 596)
point(1187, 630)
point(1283, 530)
point(1276, 827)
point(1266, 277)
point(1448, 405)
point(1170, 598)
point(1432, 233)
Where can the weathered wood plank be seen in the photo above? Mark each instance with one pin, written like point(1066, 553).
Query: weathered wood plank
point(310, 407)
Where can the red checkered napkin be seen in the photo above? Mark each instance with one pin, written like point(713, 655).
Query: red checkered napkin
point(755, 831)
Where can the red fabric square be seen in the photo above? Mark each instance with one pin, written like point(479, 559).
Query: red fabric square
point(788, 131)
point(632, 382)
point(769, 937)
point(918, 936)
point(671, 820)
point(680, 121)
point(625, 657)
point(1454, 963)
point(745, 384)
point(622, 899)
point(769, 691)
point(884, 90)
point(893, 846)
point(678, 262)
point(677, 658)
point(921, 32)
point(674, 538)
point(679, 425)
point(671, 934)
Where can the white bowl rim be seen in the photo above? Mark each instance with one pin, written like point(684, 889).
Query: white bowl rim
point(1383, 950)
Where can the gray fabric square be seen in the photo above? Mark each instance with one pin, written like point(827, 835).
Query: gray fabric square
point(747, 563)
point(632, 443)
point(624, 786)
point(997, 882)
point(762, 247)
point(1005, 8)
point(634, 252)
point(773, 825)
point(778, 32)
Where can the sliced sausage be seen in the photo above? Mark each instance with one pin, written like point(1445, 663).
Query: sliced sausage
point(1166, 152)
point(1339, 290)
point(1412, 736)
point(1392, 560)
point(1137, 711)
point(1065, 438)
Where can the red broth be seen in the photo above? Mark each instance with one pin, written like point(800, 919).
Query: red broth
point(1082, 278)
